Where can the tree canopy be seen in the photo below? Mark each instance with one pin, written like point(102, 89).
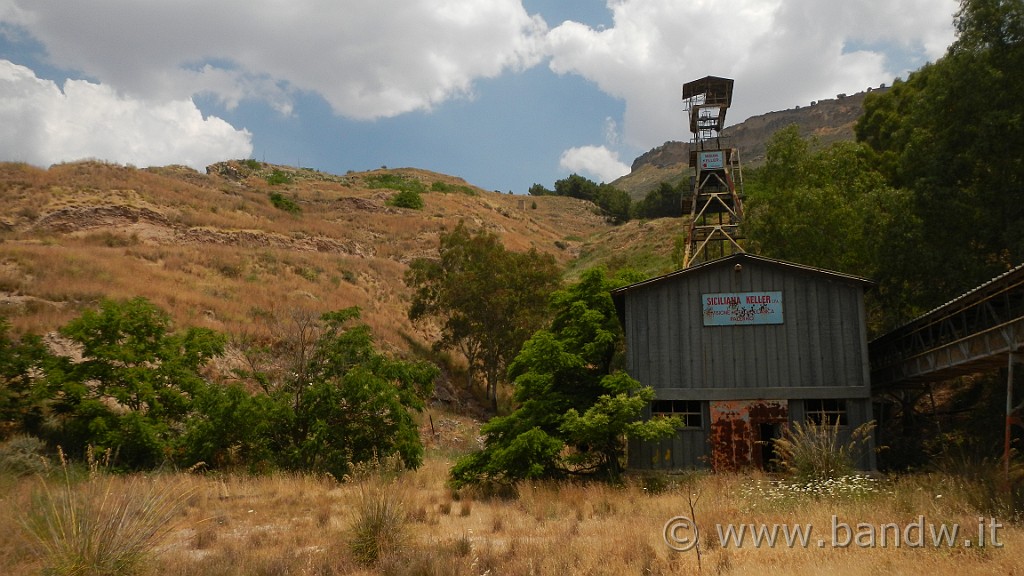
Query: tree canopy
point(138, 395)
point(615, 204)
point(830, 208)
point(488, 300)
point(575, 407)
point(951, 135)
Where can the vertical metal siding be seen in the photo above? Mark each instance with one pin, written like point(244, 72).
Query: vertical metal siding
point(820, 342)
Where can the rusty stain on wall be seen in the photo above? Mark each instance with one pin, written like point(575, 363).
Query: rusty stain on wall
point(738, 428)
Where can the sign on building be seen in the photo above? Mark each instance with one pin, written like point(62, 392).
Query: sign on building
point(742, 308)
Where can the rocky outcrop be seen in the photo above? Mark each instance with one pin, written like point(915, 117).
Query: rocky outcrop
point(74, 218)
point(827, 120)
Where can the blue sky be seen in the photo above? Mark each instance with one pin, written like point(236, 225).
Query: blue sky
point(504, 93)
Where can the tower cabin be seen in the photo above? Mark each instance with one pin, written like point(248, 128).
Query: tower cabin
point(740, 346)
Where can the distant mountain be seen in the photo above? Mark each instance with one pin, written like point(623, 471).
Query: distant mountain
point(827, 120)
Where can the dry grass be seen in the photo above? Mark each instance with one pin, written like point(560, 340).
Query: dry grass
point(302, 525)
point(214, 251)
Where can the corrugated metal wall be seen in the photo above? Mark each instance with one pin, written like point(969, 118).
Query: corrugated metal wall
point(818, 351)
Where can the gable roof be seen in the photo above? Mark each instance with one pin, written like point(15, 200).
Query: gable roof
point(619, 294)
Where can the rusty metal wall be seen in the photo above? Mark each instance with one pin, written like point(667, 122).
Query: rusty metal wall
point(737, 432)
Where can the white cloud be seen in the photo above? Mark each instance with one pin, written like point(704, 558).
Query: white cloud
point(367, 59)
point(384, 58)
point(781, 53)
point(596, 162)
point(42, 124)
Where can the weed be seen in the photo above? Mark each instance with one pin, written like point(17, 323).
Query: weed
point(811, 451)
point(380, 524)
point(102, 526)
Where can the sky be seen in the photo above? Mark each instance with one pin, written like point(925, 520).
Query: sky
point(503, 93)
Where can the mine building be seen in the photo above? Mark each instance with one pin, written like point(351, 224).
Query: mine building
point(738, 347)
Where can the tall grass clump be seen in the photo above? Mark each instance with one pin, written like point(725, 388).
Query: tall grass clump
point(380, 523)
point(101, 526)
point(23, 455)
point(812, 451)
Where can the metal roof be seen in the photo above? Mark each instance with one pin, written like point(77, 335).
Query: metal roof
point(965, 300)
point(738, 258)
point(714, 89)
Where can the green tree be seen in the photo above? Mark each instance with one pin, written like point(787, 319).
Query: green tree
point(831, 209)
point(539, 190)
point(487, 299)
point(355, 403)
point(21, 361)
point(339, 402)
point(576, 186)
point(950, 135)
point(575, 408)
point(665, 201)
point(135, 384)
point(615, 203)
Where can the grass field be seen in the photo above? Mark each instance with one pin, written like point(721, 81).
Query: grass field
point(285, 524)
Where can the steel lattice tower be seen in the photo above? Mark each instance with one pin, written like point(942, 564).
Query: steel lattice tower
point(716, 196)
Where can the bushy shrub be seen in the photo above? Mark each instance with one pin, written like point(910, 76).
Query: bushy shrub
point(393, 181)
point(23, 456)
point(278, 177)
point(282, 202)
point(811, 451)
point(446, 188)
point(407, 199)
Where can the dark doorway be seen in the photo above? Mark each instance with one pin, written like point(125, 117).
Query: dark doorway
point(768, 432)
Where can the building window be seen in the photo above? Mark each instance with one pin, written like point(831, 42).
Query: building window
point(826, 412)
point(689, 411)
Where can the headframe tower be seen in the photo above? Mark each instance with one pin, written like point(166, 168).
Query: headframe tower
point(716, 196)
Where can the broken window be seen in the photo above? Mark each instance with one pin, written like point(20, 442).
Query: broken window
point(689, 411)
point(826, 411)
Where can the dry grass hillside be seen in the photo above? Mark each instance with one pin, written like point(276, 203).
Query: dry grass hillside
point(215, 251)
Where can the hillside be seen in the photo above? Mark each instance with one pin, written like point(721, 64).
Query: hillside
point(825, 120)
point(214, 251)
